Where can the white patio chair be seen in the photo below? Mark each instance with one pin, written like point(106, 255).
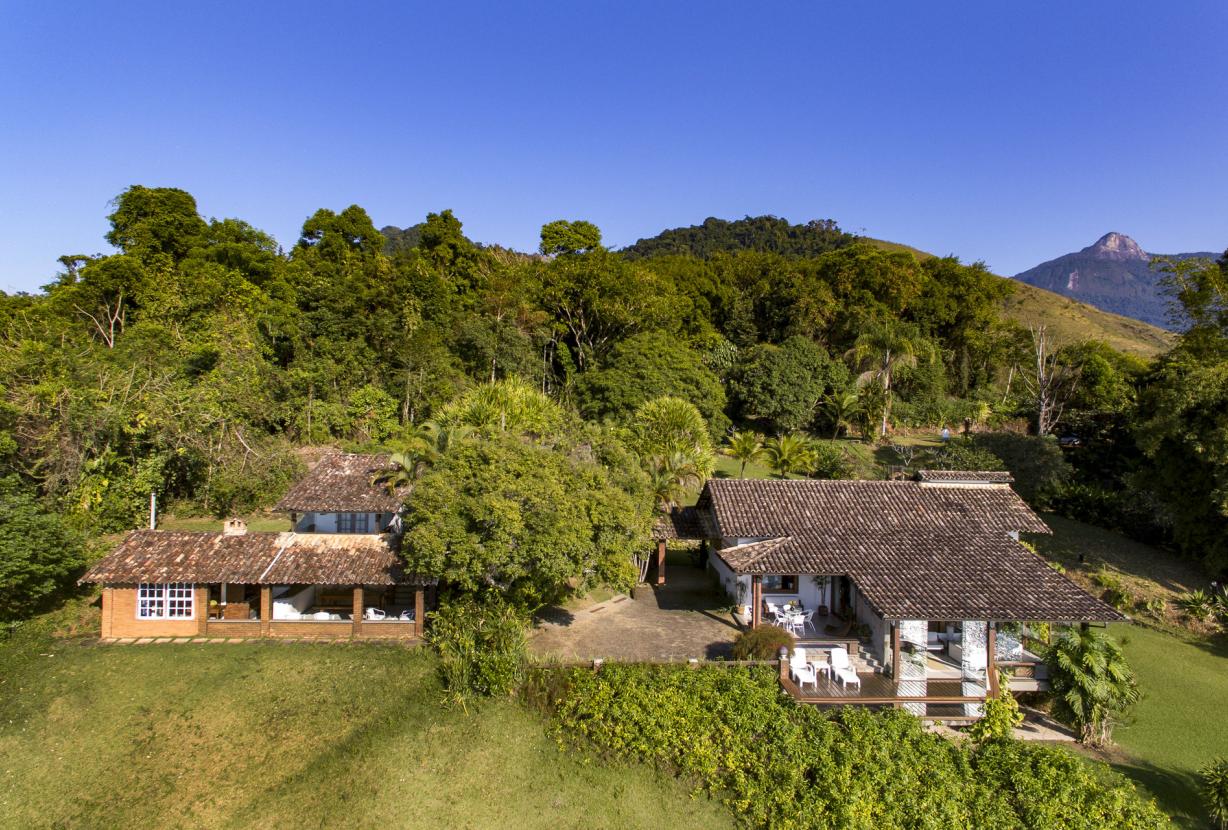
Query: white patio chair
point(801, 671)
point(807, 618)
point(374, 614)
point(841, 669)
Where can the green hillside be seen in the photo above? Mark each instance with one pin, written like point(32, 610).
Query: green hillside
point(1069, 320)
point(310, 736)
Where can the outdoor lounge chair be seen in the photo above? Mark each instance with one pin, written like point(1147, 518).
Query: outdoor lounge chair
point(841, 669)
point(374, 614)
point(801, 671)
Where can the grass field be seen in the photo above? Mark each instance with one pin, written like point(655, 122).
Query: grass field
point(301, 736)
point(256, 521)
point(1179, 725)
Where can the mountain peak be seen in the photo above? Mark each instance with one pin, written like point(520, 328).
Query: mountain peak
point(1118, 246)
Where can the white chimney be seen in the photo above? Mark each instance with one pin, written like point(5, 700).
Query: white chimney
point(234, 527)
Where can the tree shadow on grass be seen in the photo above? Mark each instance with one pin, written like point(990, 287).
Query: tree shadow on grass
point(1177, 792)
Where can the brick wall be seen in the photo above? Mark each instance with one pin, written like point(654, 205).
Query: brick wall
point(119, 616)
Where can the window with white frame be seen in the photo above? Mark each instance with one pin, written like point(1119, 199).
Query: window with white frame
point(166, 601)
point(353, 522)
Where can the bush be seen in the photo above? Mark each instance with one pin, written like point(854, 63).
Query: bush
point(763, 642)
point(830, 461)
point(1215, 790)
point(481, 648)
point(1000, 717)
point(1197, 605)
point(780, 765)
point(1092, 683)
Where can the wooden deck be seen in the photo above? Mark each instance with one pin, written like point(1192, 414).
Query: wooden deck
point(943, 699)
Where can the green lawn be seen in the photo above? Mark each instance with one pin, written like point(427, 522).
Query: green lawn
point(257, 521)
point(1179, 725)
point(303, 736)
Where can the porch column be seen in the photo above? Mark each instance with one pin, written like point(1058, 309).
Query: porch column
point(419, 610)
point(756, 599)
point(975, 659)
point(895, 652)
point(266, 610)
point(357, 615)
point(661, 562)
point(991, 662)
point(201, 598)
point(912, 675)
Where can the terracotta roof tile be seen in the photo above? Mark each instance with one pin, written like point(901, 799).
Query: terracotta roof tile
point(970, 576)
point(680, 523)
point(341, 482)
point(767, 508)
point(961, 476)
point(253, 559)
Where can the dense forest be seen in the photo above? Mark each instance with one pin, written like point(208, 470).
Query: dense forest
point(194, 361)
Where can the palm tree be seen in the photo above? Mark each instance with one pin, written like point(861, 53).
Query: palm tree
point(881, 349)
point(840, 407)
point(1215, 789)
point(672, 475)
point(744, 447)
point(404, 469)
point(788, 453)
point(1092, 683)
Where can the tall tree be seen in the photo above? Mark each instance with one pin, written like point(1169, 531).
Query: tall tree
point(881, 349)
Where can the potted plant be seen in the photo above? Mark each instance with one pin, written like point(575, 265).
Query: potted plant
point(820, 583)
point(743, 608)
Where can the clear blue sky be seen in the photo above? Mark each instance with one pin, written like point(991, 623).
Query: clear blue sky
point(1009, 132)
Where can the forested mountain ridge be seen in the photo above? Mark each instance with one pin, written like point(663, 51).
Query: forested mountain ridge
point(766, 234)
point(1113, 273)
point(1070, 320)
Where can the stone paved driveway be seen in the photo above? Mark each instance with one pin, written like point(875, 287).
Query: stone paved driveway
point(676, 622)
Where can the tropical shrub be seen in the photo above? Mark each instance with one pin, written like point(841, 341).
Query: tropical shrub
point(1093, 685)
point(1000, 716)
point(763, 642)
point(962, 454)
point(829, 461)
point(481, 647)
point(780, 765)
point(1197, 605)
point(1215, 790)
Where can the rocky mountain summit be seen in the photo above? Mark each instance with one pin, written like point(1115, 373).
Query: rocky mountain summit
point(1114, 274)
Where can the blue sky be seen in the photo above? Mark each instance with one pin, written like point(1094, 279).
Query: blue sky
point(1008, 132)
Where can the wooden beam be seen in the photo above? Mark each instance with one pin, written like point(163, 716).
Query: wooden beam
point(661, 562)
point(756, 599)
point(419, 611)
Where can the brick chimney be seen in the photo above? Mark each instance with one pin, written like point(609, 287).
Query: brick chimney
point(234, 527)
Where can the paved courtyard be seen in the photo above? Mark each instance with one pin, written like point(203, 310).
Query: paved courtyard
point(679, 621)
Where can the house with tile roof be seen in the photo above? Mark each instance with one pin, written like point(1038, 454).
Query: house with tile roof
point(337, 573)
point(924, 582)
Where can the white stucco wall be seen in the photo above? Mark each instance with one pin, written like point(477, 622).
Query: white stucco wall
point(327, 522)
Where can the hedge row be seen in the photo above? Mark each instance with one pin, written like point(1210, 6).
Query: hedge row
point(780, 765)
